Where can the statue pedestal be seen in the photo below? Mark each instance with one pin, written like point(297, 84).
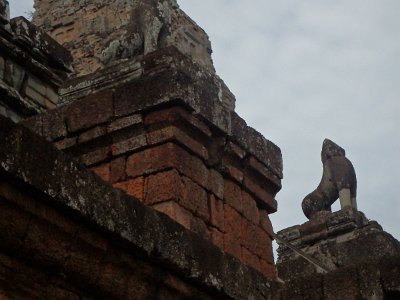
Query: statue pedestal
point(335, 240)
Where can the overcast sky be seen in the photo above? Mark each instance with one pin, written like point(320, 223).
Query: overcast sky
point(305, 70)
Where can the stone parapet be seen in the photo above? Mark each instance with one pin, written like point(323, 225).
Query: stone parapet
point(66, 234)
point(32, 67)
point(335, 240)
point(168, 140)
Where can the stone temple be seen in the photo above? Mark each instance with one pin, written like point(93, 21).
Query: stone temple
point(125, 172)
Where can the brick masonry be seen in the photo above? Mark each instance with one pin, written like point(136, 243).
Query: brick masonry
point(65, 234)
point(162, 157)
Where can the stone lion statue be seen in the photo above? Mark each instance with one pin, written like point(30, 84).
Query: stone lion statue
point(338, 181)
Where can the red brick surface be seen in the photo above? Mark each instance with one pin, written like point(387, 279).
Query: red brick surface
point(170, 160)
point(92, 134)
point(217, 218)
point(260, 193)
point(96, 156)
point(129, 145)
point(103, 171)
point(162, 187)
point(194, 198)
point(125, 122)
point(233, 231)
point(250, 210)
point(118, 169)
point(217, 237)
point(176, 115)
point(233, 195)
point(135, 187)
point(173, 133)
point(251, 259)
point(265, 222)
point(216, 183)
point(176, 212)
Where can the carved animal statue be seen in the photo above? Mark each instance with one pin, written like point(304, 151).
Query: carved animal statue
point(147, 31)
point(338, 181)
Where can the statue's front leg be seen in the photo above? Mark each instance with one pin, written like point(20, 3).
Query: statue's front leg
point(345, 198)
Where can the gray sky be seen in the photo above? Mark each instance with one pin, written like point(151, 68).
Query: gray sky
point(305, 70)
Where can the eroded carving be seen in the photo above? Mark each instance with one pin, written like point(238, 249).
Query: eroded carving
point(4, 12)
point(338, 181)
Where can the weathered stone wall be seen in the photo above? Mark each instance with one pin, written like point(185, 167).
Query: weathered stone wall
point(98, 32)
point(65, 234)
point(374, 280)
point(32, 68)
point(164, 139)
point(335, 240)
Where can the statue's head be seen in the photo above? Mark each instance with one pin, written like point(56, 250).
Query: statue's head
point(330, 149)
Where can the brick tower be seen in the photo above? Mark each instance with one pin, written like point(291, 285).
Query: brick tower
point(148, 114)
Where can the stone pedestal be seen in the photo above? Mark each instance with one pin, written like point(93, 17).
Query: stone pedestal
point(335, 240)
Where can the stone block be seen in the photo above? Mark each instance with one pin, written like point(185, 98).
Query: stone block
point(263, 196)
point(197, 225)
point(217, 213)
point(269, 270)
point(233, 172)
point(254, 143)
point(103, 171)
point(216, 183)
point(129, 145)
point(217, 238)
point(265, 222)
point(254, 238)
point(54, 126)
point(34, 95)
point(177, 116)
point(194, 198)
point(118, 169)
point(14, 74)
point(96, 156)
point(168, 156)
point(151, 160)
point(125, 122)
point(172, 133)
point(52, 95)
point(249, 208)
point(251, 259)
point(65, 143)
point(233, 231)
point(92, 134)
point(37, 85)
point(90, 111)
point(233, 195)
point(175, 212)
point(236, 150)
point(135, 188)
point(162, 187)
